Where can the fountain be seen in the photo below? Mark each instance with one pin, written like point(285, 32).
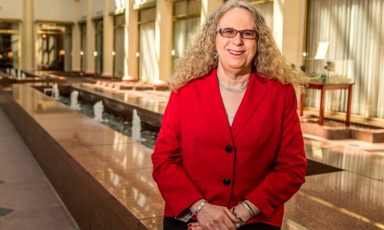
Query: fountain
point(55, 91)
point(13, 73)
point(98, 110)
point(136, 126)
point(74, 100)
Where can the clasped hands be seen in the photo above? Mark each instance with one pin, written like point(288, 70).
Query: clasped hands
point(214, 217)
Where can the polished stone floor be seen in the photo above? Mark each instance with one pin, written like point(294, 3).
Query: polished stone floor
point(349, 199)
point(27, 199)
point(345, 191)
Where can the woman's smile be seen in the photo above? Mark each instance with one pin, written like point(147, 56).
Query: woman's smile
point(236, 52)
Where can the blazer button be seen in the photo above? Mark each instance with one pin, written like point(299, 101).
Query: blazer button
point(226, 181)
point(228, 149)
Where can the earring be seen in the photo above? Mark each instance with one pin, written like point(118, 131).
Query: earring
point(215, 56)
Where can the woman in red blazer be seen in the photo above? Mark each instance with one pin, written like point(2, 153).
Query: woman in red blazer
point(230, 150)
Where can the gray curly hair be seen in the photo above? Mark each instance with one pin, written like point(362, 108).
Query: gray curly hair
point(201, 57)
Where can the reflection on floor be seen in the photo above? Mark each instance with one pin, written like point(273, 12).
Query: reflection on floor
point(348, 199)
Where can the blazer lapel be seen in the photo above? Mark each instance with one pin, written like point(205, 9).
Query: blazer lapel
point(254, 94)
point(212, 105)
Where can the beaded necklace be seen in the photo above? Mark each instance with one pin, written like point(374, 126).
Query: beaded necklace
point(234, 90)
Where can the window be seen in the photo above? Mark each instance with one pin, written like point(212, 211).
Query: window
point(147, 55)
point(186, 17)
point(353, 30)
point(9, 43)
point(83, 47)
point(266, 9)
point(99, 47)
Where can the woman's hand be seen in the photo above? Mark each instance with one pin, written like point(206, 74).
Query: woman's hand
point(213, 217)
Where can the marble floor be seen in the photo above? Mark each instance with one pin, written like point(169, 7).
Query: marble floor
point(27, 199)
point(349, 198)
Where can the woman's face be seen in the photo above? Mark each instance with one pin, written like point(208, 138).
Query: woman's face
point(237, 53)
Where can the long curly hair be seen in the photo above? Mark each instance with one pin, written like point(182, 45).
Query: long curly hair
point(201, 56)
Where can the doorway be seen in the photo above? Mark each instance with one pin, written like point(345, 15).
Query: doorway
point(54, 46)
point(9, 44)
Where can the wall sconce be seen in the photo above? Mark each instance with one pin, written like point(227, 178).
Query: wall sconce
point(137, 54)
point(81, 53)
point(113, 53)
point(95, 53)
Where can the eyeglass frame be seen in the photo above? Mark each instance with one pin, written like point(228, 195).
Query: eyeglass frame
point(237, 31)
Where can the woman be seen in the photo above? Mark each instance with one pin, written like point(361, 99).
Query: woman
point(230, 150)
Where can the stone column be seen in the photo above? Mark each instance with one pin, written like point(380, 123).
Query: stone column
point(28, 34)
point(207, 6)
point(90, 39)
point(289, 29)
point(163, 40)
point(68, 48)
point(107, 40)
point(131, 41)
point(76, 40)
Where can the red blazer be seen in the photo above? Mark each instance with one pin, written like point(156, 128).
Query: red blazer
point(260, 158)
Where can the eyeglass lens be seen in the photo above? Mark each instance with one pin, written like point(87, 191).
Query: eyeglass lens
point(231, 33)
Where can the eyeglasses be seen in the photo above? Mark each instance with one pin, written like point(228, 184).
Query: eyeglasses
point(231, 33)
